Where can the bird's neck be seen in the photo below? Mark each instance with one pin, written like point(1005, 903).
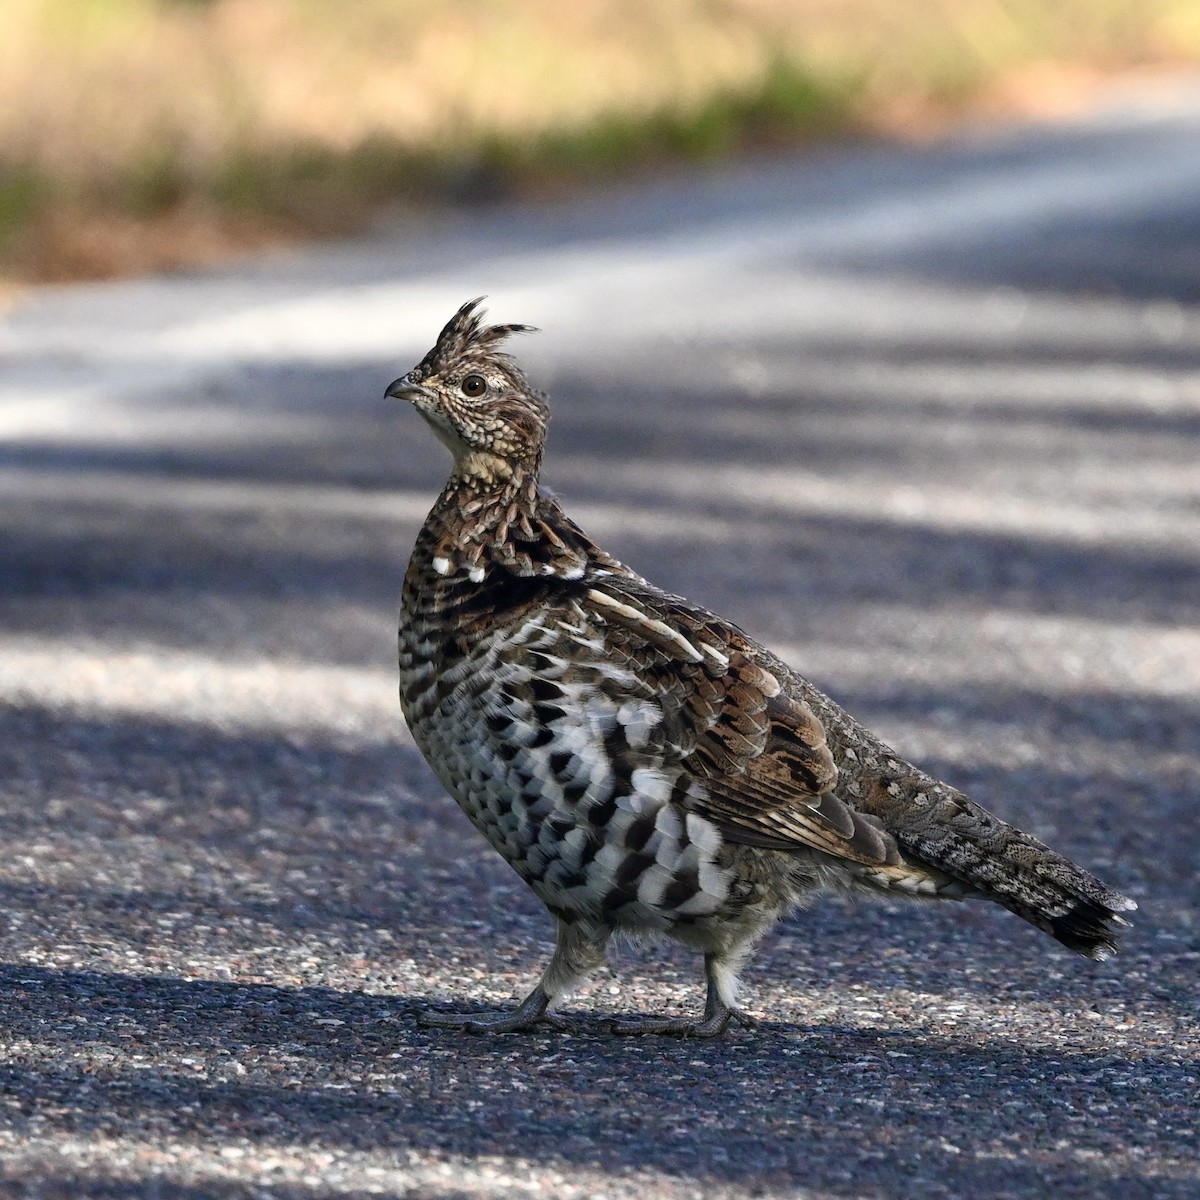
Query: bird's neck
point(480, 471)
point(480, 525)
point(481, 508)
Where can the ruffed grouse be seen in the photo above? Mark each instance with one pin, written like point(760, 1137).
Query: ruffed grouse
point(642, 764)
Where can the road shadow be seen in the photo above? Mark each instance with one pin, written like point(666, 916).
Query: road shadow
point(844, 1109)
point(346, 850)
point(129, 561)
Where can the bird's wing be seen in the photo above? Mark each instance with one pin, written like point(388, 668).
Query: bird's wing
point(756, 751)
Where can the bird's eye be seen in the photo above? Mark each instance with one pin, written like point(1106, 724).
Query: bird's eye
point(474, 385)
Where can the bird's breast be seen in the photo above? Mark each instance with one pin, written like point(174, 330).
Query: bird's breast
point(564, 765)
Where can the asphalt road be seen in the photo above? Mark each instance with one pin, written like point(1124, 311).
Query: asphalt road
point(925, 419)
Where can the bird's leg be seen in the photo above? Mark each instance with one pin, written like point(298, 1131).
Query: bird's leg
point(577, 952)
point(721, 973)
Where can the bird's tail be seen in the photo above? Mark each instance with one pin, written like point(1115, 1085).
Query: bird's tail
point(1070, 904)
point(1090, 927)
point(986, 857)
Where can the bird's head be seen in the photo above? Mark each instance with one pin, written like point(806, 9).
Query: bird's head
point(477, 400)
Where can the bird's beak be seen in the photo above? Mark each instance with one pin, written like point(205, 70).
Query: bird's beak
point(402, 389)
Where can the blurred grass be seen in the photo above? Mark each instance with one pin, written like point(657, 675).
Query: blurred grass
point(138, 134)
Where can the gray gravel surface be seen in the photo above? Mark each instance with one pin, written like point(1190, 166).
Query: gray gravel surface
point(927, 420)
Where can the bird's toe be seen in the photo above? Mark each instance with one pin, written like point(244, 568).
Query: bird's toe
point(483, 1022)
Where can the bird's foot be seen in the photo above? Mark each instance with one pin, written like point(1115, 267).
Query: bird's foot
point(493, 1022)
point(533, 1010)
point(712, 1024)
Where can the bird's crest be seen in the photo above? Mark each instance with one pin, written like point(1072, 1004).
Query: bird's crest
point(465, 336)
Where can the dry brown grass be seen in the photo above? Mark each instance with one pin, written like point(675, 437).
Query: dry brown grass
point(139, 133)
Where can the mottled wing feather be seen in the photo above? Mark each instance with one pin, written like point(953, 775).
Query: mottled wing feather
point(759, 753)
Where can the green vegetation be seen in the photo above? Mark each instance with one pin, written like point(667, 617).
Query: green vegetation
point(143, 133)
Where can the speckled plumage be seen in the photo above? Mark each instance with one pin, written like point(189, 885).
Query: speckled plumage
point(644, 765)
